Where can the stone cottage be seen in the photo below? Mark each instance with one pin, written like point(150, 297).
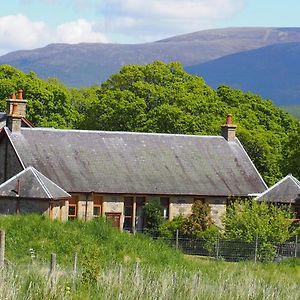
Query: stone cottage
point(113, 174)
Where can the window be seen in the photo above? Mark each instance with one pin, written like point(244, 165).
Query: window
point(97, 209)
point(165, 202)
point(128, 212)
point(72, 212)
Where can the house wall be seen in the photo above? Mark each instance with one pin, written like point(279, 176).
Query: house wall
point(178, 205)
point(9, 162)
point(113, 204)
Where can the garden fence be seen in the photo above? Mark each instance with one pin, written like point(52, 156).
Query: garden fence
point(235, 250)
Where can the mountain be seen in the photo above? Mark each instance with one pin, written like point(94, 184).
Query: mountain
point(272, 71)
point(91, 63)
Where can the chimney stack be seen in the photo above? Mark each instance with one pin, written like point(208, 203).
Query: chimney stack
point(16, 110)
point(228, 130)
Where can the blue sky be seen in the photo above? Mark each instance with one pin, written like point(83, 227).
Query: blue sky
point(27, 24)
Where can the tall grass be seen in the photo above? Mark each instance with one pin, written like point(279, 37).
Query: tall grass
point(122, 281)
point(116, 265)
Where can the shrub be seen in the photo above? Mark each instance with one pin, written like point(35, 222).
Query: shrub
point(168, 229)
point(247, 220)
point(153, 218)
point(199, 221)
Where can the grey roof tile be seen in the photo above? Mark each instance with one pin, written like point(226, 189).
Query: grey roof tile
point(142, 163)
point(32, 184)
point(287, 190)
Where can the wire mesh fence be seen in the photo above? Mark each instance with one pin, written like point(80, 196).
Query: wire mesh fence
point(236, 250)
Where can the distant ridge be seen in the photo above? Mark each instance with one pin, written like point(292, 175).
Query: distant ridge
point(271, 71)
point(91, 63)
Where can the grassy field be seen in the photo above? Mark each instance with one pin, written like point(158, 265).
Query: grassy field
point(115, 265)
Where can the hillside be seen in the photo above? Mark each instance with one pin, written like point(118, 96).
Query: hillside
point(85, 64)
point(271, 71)
point(116, 265)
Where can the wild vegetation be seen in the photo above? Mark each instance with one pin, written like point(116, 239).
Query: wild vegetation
point(116, 265)
point(161, 97)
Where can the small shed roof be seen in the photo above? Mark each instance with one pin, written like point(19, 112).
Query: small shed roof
point(140, 163)
point(30, 183)
point(287, 190)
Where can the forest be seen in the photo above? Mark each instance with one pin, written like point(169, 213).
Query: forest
point(161, 97)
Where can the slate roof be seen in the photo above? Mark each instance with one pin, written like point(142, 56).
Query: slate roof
point(287, 190)
point(32, 184)
point(139, 163)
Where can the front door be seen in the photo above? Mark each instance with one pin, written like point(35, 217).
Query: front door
point(114, 218)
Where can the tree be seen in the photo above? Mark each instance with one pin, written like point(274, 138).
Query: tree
point(48, 101)
point(249, 220)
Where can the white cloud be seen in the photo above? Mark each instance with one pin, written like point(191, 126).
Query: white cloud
point(166, 17)
point(18, 32)
point(79, 31)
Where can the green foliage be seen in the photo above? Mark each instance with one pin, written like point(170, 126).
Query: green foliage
point(152, 217)
point(168, 229)
point(249, 220)
point(161, 97)
point(48, 101)
point(199, 221)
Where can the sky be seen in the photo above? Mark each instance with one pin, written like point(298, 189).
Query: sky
point(29, 24)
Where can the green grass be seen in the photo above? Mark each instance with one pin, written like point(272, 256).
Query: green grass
point(116, 265)
point(95, 238)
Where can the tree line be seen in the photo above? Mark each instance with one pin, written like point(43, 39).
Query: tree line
point(162, 97)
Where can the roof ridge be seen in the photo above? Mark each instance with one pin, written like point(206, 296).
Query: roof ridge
point(277, 184)
point(38, 173)
point(117, 132)
point(40, 181)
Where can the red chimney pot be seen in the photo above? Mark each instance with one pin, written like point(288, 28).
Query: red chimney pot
point(13, 96)
point(20, 94)
point(228, 119)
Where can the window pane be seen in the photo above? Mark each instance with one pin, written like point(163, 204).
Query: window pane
point(140, 201)
point(72, 210)
point(128, 211)
point(128, 201)
point(97, 211)
point(127, 223)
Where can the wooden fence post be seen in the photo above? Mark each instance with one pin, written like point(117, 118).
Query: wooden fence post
point(2, 247)
point(75, 265)
point(52, 270)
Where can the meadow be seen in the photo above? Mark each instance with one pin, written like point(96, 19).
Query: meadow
point(116, 265)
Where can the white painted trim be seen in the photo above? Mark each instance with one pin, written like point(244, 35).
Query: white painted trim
point(238, 141)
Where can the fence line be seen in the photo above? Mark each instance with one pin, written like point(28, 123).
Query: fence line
point(234, 250)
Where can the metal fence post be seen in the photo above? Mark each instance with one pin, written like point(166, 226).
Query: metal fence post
point(217, 246)
point(296, 245)
point(256, 248)
point(177, 238)
point(2, 247)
